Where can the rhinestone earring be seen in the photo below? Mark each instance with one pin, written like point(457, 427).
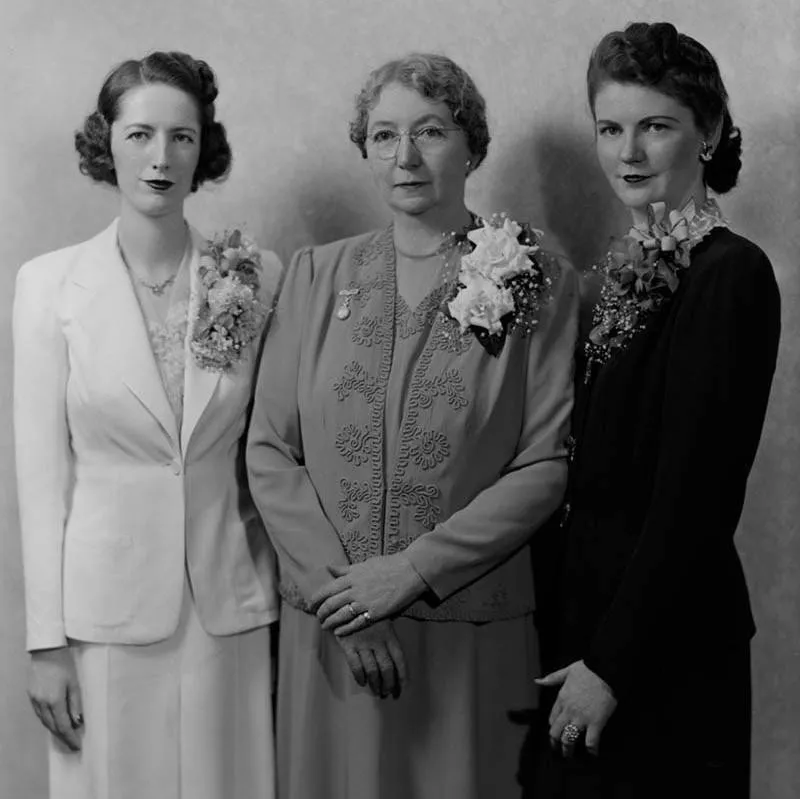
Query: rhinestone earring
point(706, 152)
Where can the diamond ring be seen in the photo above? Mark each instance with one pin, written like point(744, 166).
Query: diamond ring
point(570, 734)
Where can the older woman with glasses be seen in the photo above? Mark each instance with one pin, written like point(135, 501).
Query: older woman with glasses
point(407, 439)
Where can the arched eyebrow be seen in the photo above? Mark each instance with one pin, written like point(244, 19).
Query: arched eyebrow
point(643, 120)
point(150, 128)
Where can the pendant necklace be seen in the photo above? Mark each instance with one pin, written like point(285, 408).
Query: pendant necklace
point(156, 288)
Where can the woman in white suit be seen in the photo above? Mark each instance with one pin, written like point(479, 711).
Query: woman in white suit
point(148, 578)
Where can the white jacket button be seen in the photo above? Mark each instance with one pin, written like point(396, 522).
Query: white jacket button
point(175, 467)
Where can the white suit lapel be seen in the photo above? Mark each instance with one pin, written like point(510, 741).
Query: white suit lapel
point(116, 325)
point(199, 384)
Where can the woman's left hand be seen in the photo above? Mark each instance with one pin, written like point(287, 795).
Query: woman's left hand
point(584, 701)
point(366, 592)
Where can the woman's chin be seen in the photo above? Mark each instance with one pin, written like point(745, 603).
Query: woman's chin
point(413, 205)
point(634, 198)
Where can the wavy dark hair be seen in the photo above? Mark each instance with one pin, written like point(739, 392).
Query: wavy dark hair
point(190, 75)
point(437, 78)
point(659, 57)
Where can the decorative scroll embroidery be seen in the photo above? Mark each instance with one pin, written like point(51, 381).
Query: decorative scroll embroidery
point(449, 384)
point(354, 443)
point(354, 492)
point(429, 449)
point(356, 379)
point(383, 249)
point(417, 443)
point(398, 544)
point(359, 546)
point(447, 338)
point(360, 445)
point(420, 497)
point(367, 332)
point(409, 322)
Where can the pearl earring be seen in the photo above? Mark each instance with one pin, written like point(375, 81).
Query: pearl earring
point(469, 166)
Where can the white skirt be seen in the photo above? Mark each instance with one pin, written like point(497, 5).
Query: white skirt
point(185, 718)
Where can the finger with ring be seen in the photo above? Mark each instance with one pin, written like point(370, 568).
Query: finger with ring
point(570, 733)
point(343, 618)
point(569, 737)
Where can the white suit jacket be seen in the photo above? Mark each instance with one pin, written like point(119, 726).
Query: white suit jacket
point(116, 503)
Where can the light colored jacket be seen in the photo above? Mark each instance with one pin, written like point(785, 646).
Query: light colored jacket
point(116, 503)
point(380, 430)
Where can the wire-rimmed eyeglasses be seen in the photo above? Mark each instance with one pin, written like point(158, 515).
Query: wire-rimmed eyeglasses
point(385, 142)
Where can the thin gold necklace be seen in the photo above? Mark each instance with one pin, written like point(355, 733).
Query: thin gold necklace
point(156, 287)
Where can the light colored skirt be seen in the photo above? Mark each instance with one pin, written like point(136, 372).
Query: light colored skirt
point(185, 718)
point(448, 736)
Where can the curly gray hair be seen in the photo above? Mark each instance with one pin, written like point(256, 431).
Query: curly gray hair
point(436, 78)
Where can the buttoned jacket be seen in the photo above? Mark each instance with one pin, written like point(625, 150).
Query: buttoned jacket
point(117, 501)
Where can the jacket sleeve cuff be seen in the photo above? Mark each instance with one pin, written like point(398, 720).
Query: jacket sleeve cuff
point(45, 637)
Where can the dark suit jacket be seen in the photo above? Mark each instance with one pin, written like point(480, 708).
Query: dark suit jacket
point(667, 431)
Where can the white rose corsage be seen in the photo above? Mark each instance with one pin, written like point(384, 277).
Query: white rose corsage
point(500, 285)
point(228, 313)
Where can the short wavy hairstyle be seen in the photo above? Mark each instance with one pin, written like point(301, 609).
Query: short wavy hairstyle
point(190, 75)
point(437, 78)
point(659, 57)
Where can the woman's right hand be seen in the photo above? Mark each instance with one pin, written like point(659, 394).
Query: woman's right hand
point(376, 658)
point(56, 695)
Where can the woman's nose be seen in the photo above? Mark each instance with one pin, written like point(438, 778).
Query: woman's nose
point(408, 154)
point(159, 153)
point(630, 148)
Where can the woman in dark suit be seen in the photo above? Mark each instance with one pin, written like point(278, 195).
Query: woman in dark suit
point(651, 687)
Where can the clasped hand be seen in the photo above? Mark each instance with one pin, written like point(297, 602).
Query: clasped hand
point(364, 593)
point(376, 659)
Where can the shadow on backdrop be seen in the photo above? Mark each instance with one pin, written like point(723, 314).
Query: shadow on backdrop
point(553, 180)
point(331, 206)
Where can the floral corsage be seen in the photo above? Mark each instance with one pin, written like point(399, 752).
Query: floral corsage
point(642, 270)
point(500, 284)
point(228, 313)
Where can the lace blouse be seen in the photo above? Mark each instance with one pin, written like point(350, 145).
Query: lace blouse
point(166, 319)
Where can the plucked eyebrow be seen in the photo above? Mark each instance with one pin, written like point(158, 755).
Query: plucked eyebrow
point(143, 126)
point(380, 123)
point(643, 121)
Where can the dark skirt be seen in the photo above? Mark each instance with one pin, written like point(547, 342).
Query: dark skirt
point(689, 738)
